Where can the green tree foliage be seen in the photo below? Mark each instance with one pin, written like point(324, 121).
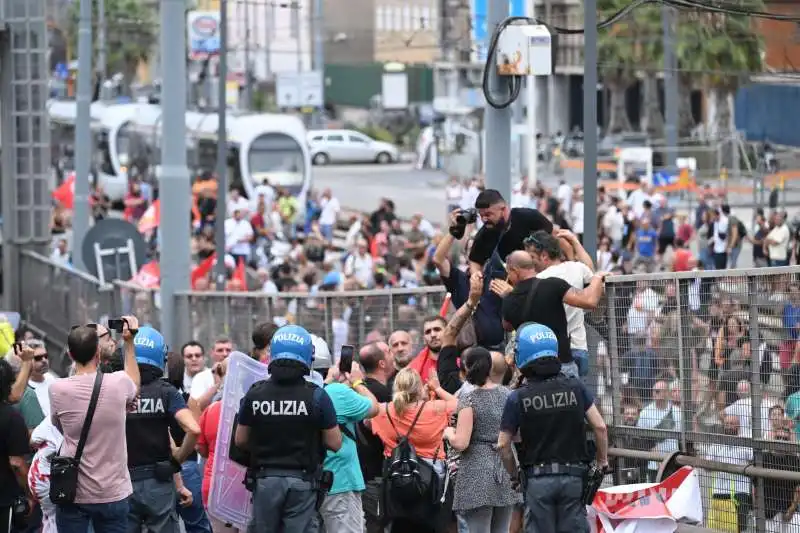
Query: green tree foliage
point(131, 33)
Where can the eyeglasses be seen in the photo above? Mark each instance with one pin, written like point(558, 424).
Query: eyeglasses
point(531, 240)
point(40, 358)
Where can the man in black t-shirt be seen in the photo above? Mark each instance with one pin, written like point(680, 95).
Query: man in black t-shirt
point(529, 299)
point(376, 360)
point(503, 230)
point(14, 446)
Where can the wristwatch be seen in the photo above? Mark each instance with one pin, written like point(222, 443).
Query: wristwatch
point(356, 383)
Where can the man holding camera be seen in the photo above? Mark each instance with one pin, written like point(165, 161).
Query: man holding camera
point(504, 230)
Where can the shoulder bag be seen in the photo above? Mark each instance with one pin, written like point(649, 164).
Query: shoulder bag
point(64, 470)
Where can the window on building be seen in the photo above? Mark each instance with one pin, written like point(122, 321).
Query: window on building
point(407, 23)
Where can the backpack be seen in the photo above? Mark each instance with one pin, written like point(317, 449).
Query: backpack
point(408, 479)
point(742, 229)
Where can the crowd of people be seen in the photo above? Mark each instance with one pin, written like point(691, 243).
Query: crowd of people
point(444, 417)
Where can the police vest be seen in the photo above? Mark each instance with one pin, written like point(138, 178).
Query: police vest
point(147, 425)
point(285, 434)
point(552, 423)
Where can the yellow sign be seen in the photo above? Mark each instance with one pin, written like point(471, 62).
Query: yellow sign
point(783, 181)
point(232, 93)
point(723, 174)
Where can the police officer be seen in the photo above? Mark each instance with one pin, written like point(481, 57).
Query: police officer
point(287, 423)
point(156, 486)
point(550, 412)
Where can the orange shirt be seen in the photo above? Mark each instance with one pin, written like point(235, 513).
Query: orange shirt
point(427, 435)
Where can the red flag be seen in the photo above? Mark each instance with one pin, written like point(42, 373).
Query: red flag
point(65, 193)
point(151, 218)
point(240, 275)
point(422, 363)
point(202, 270)
point(149, 276)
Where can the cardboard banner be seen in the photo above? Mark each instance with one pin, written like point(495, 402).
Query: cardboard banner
point(228, 500)
point(651, 507)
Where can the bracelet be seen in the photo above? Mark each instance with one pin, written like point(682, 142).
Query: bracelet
point(356, 383)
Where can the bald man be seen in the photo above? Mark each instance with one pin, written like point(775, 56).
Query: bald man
point(500, 369)
point(527, 298)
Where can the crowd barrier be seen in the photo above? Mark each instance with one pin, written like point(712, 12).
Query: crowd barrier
point(702, 364)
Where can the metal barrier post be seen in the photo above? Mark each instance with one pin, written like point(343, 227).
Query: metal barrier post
point(756, 396)
point(685, 366)
point(613, 360)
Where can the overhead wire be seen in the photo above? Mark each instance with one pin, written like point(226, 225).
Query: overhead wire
point(515, 82)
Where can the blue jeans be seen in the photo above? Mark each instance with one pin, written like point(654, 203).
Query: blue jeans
point(553, 504)
point(778, 262)
point(327, 232)
point(101, 517)
point(581, 358)
point(733, 257)
point(194, 517)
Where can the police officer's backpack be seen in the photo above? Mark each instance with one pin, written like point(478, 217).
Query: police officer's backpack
point(409, 481)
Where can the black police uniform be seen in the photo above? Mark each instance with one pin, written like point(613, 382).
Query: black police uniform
point(286, 455)
point(150, 460)
point(554, 454)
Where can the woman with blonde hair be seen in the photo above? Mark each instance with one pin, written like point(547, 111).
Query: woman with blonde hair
point(422, 421)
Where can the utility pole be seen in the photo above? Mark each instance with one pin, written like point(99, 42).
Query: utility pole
point(248, 90)
point(497, 122)
point(222, 148)
point(551, 80)
point(319, 58)
point(102, 43)
point(590, 127)
point(83, 134)
point(175, 185)
point(530, 92)
point(268, 29)
point(670, 88)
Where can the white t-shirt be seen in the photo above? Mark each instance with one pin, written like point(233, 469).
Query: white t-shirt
point(781, 235)
point(330, 210)
point(237, 236)
point(720, 229)
point(577, 217)
point(743, 410)
point(636, 202)
point(267, 192)
point(577, 275)
point(42, 390)
point(564, 195)
point(360, 267)
point(725, 483)
point(238, 204)
point(201, 383)
point(188, 380)
point(453, 193)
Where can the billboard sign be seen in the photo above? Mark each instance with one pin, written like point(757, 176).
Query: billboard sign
point(203, 28)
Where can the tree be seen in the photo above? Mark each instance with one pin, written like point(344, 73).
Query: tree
point(131, 33)
point(722, 51)
point(622, 51)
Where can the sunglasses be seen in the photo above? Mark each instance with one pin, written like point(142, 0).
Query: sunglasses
point(40, 358)
point(531, 240)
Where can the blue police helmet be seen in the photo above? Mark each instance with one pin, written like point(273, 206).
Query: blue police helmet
point(292, 342)
point(149, 347)
point(534, 341)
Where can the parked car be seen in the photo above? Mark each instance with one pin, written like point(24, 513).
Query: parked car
point(348, 146)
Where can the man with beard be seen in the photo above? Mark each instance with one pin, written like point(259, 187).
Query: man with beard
point(425, 362)
point(504, 230)
point(400, 350)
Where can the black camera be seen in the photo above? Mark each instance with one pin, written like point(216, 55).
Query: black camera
point(463, 218)
point(466, 217)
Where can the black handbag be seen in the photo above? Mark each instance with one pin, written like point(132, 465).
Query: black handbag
point(64, 470)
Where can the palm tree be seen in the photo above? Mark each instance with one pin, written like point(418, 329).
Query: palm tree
point(724, 50)
point(651, 49)
point(616, 57)
point(131, 33)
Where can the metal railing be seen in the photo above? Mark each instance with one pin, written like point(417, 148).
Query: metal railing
point(55, 296)
point(705, 363)
point(351, 317)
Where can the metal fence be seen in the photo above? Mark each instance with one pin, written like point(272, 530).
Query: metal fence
point(352, 317)
point(707, 364)
point(54, 297)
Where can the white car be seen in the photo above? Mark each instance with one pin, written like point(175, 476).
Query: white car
point(347, 146)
